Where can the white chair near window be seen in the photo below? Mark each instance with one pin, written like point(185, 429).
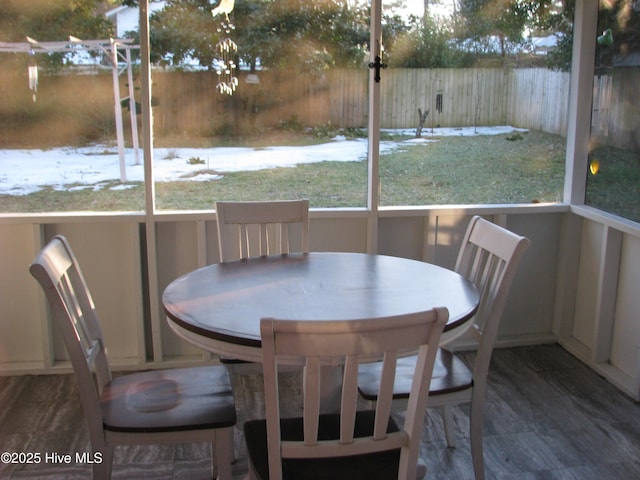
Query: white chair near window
point(251, 229)
point(182, 405)
point(352, 443)
point(489, 257)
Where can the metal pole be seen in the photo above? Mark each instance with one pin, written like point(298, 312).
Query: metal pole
point(118, 110)
point(132, 109)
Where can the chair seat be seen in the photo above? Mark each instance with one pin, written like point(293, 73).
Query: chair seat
point(169, 400)
point(374, 466)
point(450, 374)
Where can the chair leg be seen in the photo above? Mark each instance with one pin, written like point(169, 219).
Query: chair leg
point(449, 425)
point(476, 421)
point(102, 470)
point(223, 454)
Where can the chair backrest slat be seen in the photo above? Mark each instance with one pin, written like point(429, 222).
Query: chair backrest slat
point(311, 406)
point(324, 344)
point(349, 399)
point(249, 229)
point(385, 392)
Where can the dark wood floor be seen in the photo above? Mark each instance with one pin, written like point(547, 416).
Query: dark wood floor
point(547, 417)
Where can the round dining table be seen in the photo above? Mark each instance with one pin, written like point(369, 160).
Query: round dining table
point(219, 307)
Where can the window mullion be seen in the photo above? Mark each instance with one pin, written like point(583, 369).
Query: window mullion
point(373, 182)
point(579, 122)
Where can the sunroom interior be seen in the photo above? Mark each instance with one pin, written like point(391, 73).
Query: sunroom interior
point(577, 285)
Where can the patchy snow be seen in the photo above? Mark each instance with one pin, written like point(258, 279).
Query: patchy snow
point(96, 167)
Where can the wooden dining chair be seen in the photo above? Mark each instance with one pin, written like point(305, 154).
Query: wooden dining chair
point(489, 257)
point(251, 229)
point(352, 443)
point(162, 406)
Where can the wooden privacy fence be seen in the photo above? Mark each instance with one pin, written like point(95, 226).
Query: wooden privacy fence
point(454, 97)
point(615, 119)
point(538, 99)
point(80, 107)
point(189, 102)
point(529, 98)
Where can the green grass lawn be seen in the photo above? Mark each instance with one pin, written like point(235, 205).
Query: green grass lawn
point(514, 168)
point(616, 186)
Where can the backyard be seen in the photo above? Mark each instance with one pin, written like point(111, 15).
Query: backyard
point(515, 167)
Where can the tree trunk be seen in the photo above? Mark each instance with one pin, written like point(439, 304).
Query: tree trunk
point(422, 117)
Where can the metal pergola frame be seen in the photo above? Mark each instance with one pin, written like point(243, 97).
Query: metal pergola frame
point(112, 48)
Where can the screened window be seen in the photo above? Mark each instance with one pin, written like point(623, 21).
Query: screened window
point(481, 113)
point(266, 101)
point(67, 125)
point(613, 178)
point(272, 100)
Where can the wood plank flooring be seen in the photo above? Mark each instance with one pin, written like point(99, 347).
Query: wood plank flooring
point(547, 417)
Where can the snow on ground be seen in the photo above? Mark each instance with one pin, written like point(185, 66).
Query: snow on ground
point(96, 167)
